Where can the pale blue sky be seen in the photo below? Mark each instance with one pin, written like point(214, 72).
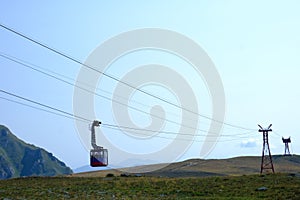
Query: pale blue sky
point(254, 45)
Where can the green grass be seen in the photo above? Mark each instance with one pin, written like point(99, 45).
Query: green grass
point(280, 186)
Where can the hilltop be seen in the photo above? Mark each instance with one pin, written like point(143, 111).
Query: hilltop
point(18, 159)
point(212, 167)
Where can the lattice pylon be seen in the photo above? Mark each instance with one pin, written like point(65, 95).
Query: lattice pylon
point(286, 146)
point(266, 158)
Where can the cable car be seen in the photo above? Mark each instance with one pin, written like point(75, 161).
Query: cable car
point(98, 155)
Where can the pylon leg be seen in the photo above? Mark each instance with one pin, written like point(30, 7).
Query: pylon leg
point(266, 159)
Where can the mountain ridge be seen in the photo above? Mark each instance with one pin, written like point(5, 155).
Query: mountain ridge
point(18, 159)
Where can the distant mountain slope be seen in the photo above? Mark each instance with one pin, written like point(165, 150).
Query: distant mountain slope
point(232, 166)
point(19, 159)
point(211, 167)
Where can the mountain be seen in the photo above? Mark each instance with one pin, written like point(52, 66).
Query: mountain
point(244, 165)
point(88, 168)
point(18, 159)
point(126, 164)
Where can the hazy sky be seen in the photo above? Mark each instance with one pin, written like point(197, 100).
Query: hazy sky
point(253, 44)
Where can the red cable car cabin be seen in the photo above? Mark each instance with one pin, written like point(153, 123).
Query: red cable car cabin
point(99, 157)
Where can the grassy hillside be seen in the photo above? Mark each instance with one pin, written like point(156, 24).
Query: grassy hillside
point(278, 186)
point(215, 167)
point(233, 166)
point(20, 159)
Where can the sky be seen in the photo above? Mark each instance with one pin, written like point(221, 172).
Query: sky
point(254, 46)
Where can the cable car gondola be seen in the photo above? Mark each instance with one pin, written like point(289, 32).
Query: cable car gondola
point(98, 155)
